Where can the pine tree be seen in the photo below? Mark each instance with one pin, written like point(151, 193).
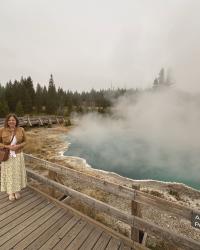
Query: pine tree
point(2, 93)
point(61, 101)
point(4, 110)
point(39, 98)
point(169, 80)
point(155, 83)
point(51, 97)
point(26, 102)
point(10, 96)
point(163, 80)
point(28, 86)
point(161, 77)
point(44, 98)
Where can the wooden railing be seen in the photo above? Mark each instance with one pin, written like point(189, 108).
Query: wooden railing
point(37, 120)
point(121, 191)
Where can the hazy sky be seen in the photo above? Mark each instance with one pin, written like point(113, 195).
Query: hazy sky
point(98, 43)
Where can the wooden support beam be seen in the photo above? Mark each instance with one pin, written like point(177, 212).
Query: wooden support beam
point(52, 176)
point(136, 234)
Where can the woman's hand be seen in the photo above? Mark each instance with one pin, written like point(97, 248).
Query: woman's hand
point(7, 146)
point(14, 147)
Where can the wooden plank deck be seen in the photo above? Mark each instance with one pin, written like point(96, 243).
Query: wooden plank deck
point(34, 222)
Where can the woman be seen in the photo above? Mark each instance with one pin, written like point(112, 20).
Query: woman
point(13, 173)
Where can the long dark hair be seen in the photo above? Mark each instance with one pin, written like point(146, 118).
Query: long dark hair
point(8, 117)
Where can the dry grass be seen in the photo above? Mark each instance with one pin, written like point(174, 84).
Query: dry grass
point(158, 244)
point(34, 145)
point(154, 193)
point(175, 193)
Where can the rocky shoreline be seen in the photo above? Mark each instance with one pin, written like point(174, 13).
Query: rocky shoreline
point(50, 143)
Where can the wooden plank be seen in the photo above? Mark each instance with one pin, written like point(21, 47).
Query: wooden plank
point(102, 242)
point(20, 207)
point(123, 247)
point(70, 236)
point(39, 230)
point(28, 229)
point(6, 241)
point(60, 234)
point(15, 206)
point(43, 238)
point(82, 236)
point(113, 244)
point(21, 212)
point(4, 194)
point(5, 201)
point(13, 224)
point(91, 240)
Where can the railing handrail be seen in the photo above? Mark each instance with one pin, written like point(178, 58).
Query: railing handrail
point(134, 221)
point(122, 191)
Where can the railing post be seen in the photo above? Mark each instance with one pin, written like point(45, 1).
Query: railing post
point(29, 121)
point(52, 176)
point(57, 120)
point(40, 120)
point(49, 121)
point(136, 234)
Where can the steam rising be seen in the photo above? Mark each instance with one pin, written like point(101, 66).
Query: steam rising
point(152, 135)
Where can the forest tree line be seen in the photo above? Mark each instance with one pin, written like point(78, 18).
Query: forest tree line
point(22, 98)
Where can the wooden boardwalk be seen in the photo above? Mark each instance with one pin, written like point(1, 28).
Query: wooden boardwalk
point(39, 221)
point(35, 222)
point(27, 121)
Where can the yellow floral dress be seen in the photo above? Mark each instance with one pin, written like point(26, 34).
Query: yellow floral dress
point(13, 174)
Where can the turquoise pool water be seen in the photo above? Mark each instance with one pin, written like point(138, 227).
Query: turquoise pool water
point(135, 162)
